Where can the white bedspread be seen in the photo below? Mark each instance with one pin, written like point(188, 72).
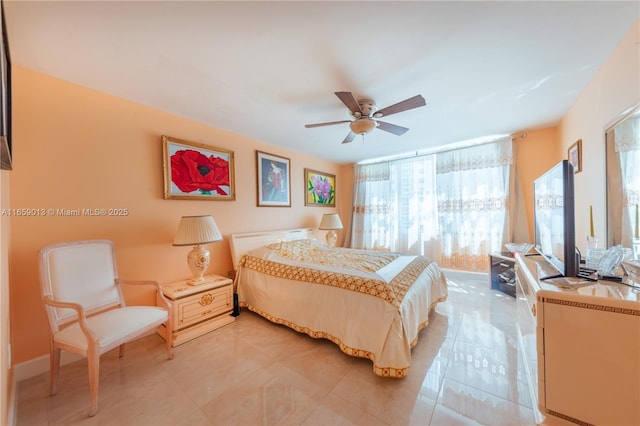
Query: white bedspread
point(371, 304)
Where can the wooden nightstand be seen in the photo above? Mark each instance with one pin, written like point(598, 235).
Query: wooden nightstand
point(196, 310)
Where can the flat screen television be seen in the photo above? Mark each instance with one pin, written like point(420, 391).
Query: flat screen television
point(554, 219)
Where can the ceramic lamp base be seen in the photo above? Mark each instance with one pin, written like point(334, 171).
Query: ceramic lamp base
point(332, 237)
point(198, 260)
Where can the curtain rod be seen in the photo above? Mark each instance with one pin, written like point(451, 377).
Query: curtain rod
point(520, 136)
point(436, 150)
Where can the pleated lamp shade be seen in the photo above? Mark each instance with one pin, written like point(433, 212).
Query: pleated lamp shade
point(330, 221)
point(195, 230)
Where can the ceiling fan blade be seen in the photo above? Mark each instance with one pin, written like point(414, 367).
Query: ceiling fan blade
point(392, 128)
point(414, 102)
point(350, 137)
point(348, 99)
point(328, 123)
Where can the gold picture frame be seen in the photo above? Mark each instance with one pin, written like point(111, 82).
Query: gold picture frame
point(574, 155)
point(195, 171)
point(320, 188)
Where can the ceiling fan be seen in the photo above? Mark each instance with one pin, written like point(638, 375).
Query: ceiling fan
point(366, 114)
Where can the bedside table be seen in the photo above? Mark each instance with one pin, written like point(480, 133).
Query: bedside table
point(197, 310)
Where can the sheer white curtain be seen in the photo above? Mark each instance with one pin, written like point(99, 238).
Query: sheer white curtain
point(413, 188)
point(627, 144)
point(372, 215)
point(473, 199)
point(395, 206)
point(451, 206)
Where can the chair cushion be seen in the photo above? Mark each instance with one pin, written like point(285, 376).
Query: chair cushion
point(114, 327)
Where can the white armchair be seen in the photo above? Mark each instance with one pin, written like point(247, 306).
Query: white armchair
point(86, 310)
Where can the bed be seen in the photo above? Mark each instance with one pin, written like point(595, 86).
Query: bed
point(371, 304)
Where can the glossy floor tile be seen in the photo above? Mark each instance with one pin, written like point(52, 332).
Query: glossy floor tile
point(465, 370)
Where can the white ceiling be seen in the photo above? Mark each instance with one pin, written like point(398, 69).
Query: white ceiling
point(265, 69)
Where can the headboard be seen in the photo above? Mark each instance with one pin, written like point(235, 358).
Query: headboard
point(242, 243)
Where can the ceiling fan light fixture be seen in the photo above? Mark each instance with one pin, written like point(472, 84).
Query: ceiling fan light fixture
point(363, 125)
point(365, 114)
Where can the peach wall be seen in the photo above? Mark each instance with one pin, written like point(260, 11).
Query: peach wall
point(77, 148)
point(534, 155)
point(5, 362)
point(615, 88)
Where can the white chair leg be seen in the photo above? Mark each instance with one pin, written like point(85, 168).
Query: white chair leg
point(93, 359)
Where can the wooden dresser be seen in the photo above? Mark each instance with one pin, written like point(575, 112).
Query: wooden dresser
point(581, 347)
point(196, 310)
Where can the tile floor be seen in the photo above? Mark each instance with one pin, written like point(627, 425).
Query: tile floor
point(466, 370)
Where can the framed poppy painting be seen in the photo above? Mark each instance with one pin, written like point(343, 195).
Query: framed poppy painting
point(194, 171)
point(320, 189)
point(274, 183)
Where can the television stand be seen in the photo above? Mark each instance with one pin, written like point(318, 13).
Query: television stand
point(548, 277)
point(502, 275)
point(546, 271)
point(587, 274)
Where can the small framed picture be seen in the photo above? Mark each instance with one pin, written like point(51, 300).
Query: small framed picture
point(575, 156)
point(274, 183)
point(320, 188)
point(194, 171)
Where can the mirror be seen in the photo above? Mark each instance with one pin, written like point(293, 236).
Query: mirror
point(622, 140)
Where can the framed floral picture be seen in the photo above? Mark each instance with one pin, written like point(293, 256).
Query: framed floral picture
point(194, 171)
point(320, 188)
point(274, 183)
point(574, 154)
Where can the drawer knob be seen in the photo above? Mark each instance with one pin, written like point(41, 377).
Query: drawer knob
point(206, 299)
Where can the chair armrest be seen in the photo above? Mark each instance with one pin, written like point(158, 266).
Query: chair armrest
point(82, 317)
point(143, 282)
point(75, 306)
point(155, 284)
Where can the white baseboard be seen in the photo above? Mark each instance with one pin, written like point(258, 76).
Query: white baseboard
point(37, 366)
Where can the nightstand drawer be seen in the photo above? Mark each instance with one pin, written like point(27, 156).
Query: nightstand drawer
point(202, 306)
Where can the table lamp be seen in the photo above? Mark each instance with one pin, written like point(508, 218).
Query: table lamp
point(331, 222)
point(195, 231)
